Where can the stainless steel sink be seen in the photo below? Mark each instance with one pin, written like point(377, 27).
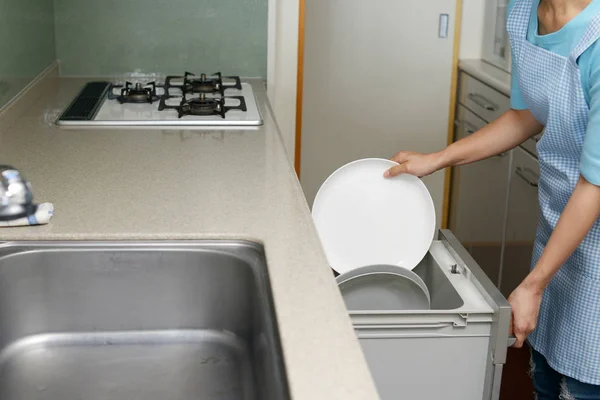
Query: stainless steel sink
point(138, 321)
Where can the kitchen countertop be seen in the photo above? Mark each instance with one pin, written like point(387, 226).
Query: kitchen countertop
point(487, 73)
point(139, 184)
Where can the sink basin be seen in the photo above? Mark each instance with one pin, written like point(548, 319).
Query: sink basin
point(138, 321)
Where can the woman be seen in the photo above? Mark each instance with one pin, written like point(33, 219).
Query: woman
point(556, 86)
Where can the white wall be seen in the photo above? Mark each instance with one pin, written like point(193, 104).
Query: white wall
point(283, 57)
point(282, 68)
point(471, 36)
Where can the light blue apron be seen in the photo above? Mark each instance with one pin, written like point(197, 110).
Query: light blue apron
point(568, 331)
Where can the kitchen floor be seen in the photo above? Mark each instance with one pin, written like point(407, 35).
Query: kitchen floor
point(516, 384)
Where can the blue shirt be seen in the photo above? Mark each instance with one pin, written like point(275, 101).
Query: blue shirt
point(563, 42)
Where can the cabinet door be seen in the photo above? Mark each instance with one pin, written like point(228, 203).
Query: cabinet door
point(478, 201)
point(483, 100)
point(496, 45)
point(523, 214)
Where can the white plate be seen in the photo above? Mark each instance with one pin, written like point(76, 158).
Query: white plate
point(365, 219)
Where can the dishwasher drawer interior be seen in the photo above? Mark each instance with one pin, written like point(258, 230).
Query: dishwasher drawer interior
point(453, 350)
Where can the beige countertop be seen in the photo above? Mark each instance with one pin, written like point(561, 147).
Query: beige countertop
point(123, 183)
point(487, 73)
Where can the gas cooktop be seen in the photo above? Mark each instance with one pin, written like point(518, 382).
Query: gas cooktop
point(186, 100)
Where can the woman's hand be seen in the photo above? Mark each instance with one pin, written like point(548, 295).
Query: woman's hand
point(413, 163)
point(581, 212)
point(525, 302)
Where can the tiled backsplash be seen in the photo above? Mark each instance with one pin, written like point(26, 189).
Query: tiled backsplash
point(125, 37)
point(113, 37)
point(26, 43)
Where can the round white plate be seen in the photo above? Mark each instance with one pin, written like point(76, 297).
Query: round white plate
point(365, 219)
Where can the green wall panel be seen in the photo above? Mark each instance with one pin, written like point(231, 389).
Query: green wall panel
point(26, 43)
point(120, 37)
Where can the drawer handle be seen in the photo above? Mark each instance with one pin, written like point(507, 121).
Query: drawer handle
point(469, 127)
point(482, 102)
point(530, 177)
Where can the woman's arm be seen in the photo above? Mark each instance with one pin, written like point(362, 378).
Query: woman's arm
point(507, 132)
point(581, 212)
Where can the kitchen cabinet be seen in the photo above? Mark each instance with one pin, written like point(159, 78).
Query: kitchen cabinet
point(377, 80)
point(522, 219)
point(483, 100)
point(496, 45)
point(478, 195)
point(494, 206)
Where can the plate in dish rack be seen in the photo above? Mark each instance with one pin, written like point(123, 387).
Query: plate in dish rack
point(365, 219)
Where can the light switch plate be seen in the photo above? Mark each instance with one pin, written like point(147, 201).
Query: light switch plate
point(443, 29)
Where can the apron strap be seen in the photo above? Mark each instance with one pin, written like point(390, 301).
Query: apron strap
point(590, 36)
point(518, 19)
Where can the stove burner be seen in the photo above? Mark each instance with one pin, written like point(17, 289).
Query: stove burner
point(204, 84)
point(137, 93)
point(202, 105)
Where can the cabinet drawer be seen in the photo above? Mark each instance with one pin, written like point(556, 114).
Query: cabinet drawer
point(531, 144)
point(484, 101)
point(466, 123)
point(522, 220)
point(523, 204)
point(478, 200)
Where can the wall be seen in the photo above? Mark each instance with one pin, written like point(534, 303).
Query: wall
point(284, 17)
point(471, 35)
point(112, 37)
point(26, 43)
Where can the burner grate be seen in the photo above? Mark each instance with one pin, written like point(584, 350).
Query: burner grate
point(203, 84)
point(202, 105)
point(138, 93)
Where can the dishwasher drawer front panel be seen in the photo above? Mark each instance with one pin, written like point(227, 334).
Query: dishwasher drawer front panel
point(478, 201)
point(444, 368)
point(522, 221)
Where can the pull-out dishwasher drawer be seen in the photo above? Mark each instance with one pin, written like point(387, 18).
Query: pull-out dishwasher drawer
point(453, 351)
